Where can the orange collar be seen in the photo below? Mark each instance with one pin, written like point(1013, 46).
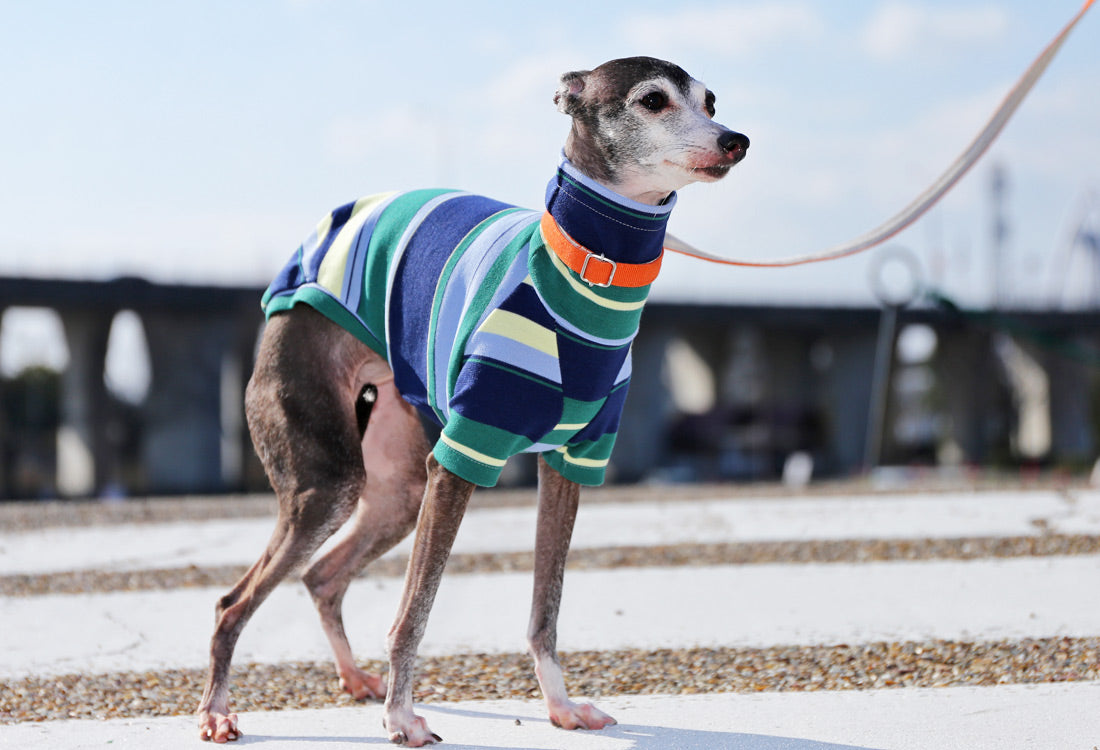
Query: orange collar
point(593, 268)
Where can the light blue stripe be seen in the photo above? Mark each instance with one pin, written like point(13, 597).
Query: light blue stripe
point(328, 293)
point(513, 277)
point(582, 334)
point(543, 447)
point(399, 252)
point(465, 280)
point(627, 368)
point(516, 354)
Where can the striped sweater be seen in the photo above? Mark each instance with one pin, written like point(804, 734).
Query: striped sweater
point(486, 330)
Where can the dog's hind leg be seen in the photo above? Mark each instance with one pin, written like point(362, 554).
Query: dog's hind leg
point(558, 501)
point(301, 415)
point(394, 451)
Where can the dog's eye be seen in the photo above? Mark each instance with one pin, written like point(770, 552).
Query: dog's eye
point(708, 104)
point(654, 101)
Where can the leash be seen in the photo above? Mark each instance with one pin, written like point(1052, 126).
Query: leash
point(929, 197)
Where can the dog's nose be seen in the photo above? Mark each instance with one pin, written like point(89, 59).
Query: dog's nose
point(733, 144)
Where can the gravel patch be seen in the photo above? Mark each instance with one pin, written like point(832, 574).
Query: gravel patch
point(678, 555)
point(589, 673)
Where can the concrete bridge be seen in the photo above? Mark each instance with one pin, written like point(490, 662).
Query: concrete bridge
point(200, 341)
point(750, 387)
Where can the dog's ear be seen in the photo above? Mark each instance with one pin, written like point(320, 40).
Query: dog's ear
point(569, 90)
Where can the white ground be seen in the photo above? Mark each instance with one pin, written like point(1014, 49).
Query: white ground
point(753, 605)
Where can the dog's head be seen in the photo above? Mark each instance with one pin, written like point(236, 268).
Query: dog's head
point(645, 128)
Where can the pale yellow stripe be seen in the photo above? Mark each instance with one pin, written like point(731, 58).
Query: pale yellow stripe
point(331, 273)
point(585, 291)
point(571, 426)
point(471, 453)
point(591, 463)
point(323, 227)
point(519, 328)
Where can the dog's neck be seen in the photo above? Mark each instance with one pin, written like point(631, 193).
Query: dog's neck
point(606, 222)
point(591, 161)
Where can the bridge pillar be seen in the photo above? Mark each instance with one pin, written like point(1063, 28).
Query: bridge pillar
point(846, 397)
point(182, 441)
point(1072, 440)
point(974, 393)
point(83, 453)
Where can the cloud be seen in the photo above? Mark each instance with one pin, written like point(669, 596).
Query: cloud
point(899, 30)
point(738, 31)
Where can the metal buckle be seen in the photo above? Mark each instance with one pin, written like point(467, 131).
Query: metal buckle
point(610, 276)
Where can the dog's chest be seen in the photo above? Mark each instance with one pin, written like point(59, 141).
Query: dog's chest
point(484, 338)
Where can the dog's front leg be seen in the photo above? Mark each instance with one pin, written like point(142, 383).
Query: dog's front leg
point(558, 499)
point(445, 499)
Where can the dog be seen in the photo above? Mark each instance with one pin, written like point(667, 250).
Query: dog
point(509, 328)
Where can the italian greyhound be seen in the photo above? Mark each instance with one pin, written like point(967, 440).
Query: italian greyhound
point(509, 328)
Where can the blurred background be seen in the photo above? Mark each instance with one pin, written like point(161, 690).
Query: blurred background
point(160, 161)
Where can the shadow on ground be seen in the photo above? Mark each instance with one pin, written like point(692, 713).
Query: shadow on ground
point(641, 737)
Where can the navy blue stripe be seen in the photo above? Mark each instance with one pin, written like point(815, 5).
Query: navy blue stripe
point(615, 232)
point(524, 301)
point(588, 372)
point(290, 277)
point(520, 404)
point(414, 287)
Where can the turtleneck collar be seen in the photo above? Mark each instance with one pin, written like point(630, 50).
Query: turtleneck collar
point(598, 218)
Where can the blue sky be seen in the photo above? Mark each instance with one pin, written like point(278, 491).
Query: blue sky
point(200, 141)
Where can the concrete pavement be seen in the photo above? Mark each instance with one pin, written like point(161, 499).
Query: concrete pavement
point(637, 607)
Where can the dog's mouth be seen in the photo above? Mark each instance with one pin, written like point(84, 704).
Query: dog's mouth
point(711, 172)
point(716, 172)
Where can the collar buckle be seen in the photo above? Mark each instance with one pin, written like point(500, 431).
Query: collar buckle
point(612, 268)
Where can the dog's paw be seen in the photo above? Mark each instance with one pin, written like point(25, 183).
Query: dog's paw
point(409, 730)
point(569, 715)
point(362, 685)
point(218, 727)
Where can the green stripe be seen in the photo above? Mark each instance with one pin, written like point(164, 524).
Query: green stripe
point(384, 240)
point(465, 467)
point(466, 432)
point(589, 316)
point(483, 297)
point(331, 309)
point(470, 432)
point(575, 411)
point(587, 475)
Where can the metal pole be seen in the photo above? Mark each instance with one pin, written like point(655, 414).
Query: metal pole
point(893, 297)
point(880, 386)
